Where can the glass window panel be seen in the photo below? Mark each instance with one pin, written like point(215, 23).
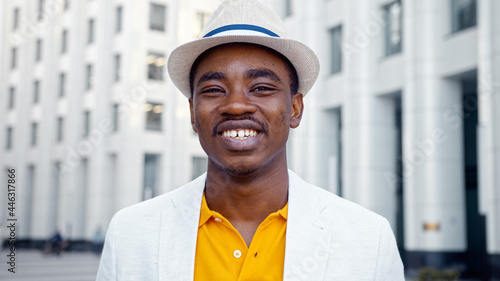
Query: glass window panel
point(157, 17)
point(62, 84)
point(154, 113)
point(156, 64)
point(60, 129)
point(36, 91)
point(199, 166)
point(89, 77)
point(9, 135)
point(335, 49)
point(64, 41)
point(38, 54)
point(119, 11)
point(393, 28)
point(86, 123)
point(151, 168)
point(15, 19)
point(13, 58)
point(117, 63)
point(115, 116)
point(34, 134)
point(12, 97)
point(90, 38)
point(464, 14)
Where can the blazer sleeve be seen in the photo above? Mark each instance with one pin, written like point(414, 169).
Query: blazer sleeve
point(389, 264)
point(107, 265)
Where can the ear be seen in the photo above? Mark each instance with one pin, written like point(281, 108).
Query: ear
point(191, 110)
point(297, 109)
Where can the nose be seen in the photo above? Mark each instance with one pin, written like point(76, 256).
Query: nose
point(237, 102)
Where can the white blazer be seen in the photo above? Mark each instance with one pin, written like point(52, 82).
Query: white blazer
point(327, 238)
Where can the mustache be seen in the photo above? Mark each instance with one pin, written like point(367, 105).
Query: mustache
point(251, 118)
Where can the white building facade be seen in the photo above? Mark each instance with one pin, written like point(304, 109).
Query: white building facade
point(404, 120)
point(89, 118)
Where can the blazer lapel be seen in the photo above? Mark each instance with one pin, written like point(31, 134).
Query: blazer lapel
point(179, 230)
point(308, 234)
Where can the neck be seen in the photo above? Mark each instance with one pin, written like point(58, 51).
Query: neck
point(247, 198)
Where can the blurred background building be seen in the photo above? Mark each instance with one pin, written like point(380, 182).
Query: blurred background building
point(402, 120)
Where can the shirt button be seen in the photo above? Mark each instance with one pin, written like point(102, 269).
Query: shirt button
point(218, 220)
point(237, 254)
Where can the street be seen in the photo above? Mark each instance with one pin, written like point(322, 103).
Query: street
point(32, 265)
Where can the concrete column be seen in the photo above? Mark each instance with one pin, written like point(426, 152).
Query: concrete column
point(368, 121)
point(489, 116)
point(432, 142)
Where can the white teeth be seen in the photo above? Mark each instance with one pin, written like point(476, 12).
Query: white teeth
point(240, 134)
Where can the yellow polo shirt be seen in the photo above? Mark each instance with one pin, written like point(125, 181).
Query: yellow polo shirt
point(222, 254)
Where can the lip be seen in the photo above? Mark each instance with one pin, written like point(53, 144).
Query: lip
point(233, 144)
point(238, 124)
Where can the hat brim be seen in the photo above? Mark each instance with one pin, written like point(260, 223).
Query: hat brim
point(302, 58)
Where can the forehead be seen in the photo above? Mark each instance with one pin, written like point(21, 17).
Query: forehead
point(252, 55)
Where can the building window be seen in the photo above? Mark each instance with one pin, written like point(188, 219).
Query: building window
point(60, 129)
point(117, 71)
point(86, 123)
point(36, 91)
point(15, 19)
point(156, 63)
point(463, 14)
point(62, 84)
point(393, 28)
point(90, 35)
point(12, 97)
point(153, 116)
point(89, 79)
point(199, 166)
point(38, 54)
point(157, 17)
point(41, 6)
point(8, 141)
point(116, 112)
point(13, 58)
point(34, 134)
point(335, 49)
point(64, 41)
point(151, 172)
point(288, 8)
point(119, 14)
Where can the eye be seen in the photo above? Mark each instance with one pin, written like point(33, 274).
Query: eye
point(263, 90)
point(212, 92)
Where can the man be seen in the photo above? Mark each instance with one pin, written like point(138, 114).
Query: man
point(248, 217)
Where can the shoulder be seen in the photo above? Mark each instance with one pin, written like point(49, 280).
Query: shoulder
point(168, 201)
point(339, 208)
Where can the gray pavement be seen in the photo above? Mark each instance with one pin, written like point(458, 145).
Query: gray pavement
point(32, 265)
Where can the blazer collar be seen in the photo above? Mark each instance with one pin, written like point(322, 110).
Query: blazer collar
point(308, 234)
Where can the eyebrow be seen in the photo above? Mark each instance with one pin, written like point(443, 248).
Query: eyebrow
point(211, 76)
point(256, 73)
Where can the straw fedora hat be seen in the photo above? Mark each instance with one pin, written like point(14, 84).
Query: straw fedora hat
point(244, 21)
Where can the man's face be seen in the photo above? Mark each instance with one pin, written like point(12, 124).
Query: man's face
point(242, 108)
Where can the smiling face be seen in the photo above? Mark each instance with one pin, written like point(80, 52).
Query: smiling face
point(242, 108)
